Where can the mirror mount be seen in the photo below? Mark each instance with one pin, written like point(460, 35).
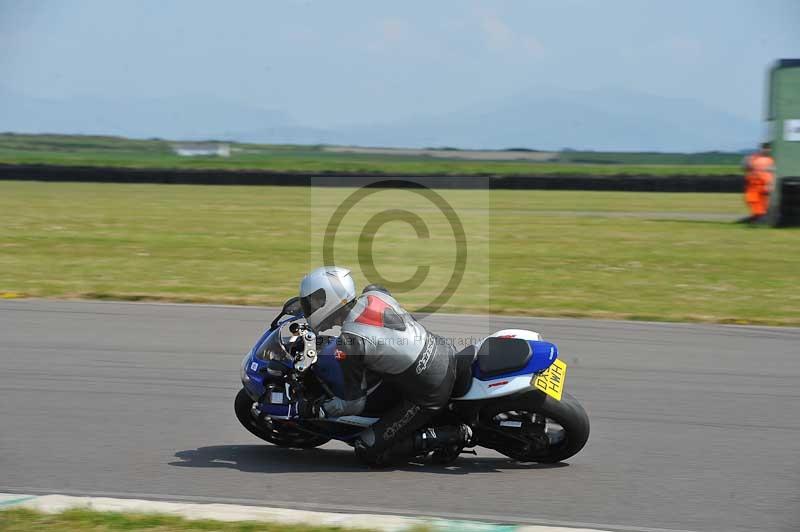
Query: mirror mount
point(290, 308)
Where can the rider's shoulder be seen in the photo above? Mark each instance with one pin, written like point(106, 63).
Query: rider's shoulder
point(374, 308)
point(371, 296)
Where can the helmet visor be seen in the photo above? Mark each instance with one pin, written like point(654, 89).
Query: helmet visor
point(313, 302)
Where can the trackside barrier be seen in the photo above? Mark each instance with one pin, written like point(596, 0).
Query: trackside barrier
point(93, 174)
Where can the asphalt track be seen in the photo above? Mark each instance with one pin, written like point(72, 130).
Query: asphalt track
point(694, 427)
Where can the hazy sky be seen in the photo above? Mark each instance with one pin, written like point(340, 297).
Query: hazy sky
point(332, 62)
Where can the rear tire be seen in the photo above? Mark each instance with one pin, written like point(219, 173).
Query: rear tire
point(278, 433)
point(567, 412)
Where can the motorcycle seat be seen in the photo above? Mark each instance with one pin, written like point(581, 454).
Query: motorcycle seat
point(464, 360)
point(498, 356)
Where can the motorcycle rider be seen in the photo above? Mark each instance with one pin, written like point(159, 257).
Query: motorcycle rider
point(379, 337)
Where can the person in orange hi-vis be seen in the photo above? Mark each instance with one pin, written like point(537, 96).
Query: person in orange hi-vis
point(759, 177)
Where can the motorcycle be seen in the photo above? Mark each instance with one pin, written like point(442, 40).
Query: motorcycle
point(513, 398)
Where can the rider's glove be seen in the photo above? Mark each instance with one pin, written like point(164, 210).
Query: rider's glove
point(310, 409)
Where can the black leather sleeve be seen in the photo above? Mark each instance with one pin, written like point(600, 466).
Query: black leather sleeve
point(351, 361)
point(352, 364)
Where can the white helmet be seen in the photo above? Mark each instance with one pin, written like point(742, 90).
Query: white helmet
point(324, 291)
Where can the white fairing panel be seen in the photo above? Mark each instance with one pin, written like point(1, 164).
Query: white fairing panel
point(518, 333)
point(501, 386)
point(496, 387)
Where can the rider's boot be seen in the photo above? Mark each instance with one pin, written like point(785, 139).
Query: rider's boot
point(447, 442)
point(439, 437)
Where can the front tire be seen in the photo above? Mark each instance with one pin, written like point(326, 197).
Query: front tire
point(568, 414)
point(278, 433)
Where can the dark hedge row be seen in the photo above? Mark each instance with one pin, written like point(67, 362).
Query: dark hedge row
point(729, 183)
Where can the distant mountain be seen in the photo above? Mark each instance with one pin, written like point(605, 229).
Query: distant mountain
point(190, 117)
point(596, 120)
point(610, 119)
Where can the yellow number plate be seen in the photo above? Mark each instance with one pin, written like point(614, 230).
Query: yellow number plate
point(552, 380)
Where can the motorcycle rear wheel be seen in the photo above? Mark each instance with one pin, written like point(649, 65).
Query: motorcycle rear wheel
point(537, 413)
point(277, 433)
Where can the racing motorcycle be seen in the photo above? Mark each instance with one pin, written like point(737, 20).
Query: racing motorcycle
point(513, 398)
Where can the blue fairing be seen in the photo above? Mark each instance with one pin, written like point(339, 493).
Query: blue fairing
point(542, 357)
point(255, 385)
point(327, 367)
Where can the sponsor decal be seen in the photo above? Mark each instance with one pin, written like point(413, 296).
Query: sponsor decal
point(422, 365)
point(339, 355)
point(391, 430)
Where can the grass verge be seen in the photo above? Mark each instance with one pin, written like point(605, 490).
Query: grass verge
point(673, 257)
point(21, 520)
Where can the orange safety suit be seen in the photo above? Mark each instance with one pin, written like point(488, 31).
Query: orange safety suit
point(758, 179)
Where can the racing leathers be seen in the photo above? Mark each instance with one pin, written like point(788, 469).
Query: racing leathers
point(378, 337)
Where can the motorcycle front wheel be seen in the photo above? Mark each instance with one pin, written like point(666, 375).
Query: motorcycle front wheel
point(277, 433)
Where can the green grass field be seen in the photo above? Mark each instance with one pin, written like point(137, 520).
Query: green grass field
point(547, 253)
point(118, 152)
point(17, 520)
